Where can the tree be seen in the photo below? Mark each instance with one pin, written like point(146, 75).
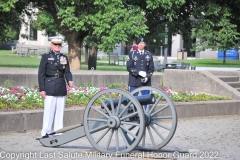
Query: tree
point(96, 18)
point(10, 18)
point(108, 22)
point(215, 30)
point(175, 14)
point(111, 22)
point(183, 16)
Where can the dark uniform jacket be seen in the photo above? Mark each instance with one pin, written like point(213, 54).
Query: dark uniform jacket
point(53, 70)
point(136, 63)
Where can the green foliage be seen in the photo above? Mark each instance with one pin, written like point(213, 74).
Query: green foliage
point(15, 98)
point(11, 17)
point(79, 100)
point(18, 98)
point(169, 6)
point(7, 83)
point(85, 85)
point(108, 25)
point(116, 25)
point(45, 22)
point(218, 32)
point(89, 41)
point(7, 5)
point(8, 33)
point(188, 97)
point(120, 85)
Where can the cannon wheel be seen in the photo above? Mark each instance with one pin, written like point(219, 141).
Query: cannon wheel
point(161, 119)
point(107, 127)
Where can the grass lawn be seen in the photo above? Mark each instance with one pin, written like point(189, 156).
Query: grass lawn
point(7, 59)
point(213, 63)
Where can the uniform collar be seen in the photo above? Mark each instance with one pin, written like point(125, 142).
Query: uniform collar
point(55, 53)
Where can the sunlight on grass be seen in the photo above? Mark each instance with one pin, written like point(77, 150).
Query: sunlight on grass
point(213, 63)
point(7, 59)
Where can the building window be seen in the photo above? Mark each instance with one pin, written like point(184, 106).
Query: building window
point(33, 33)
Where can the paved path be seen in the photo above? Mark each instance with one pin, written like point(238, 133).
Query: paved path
point(217, 137)
point(217, 68)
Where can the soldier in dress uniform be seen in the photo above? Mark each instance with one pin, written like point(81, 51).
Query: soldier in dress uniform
point(53, 74)
point(140, 67)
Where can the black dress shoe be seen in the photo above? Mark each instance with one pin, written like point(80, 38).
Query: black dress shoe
point(46, 136)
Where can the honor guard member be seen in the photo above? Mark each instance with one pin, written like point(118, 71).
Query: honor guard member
point(53, 73)
point(140, 67)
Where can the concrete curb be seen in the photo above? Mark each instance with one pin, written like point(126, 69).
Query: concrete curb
point(28, 77)
point(201, 82)
point(32, 119)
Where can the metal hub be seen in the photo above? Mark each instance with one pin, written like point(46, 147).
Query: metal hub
point(147, 118)
point(113, 122)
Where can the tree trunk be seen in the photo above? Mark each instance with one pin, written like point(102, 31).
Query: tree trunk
point(86, 54)
point(224, 56)
point(74, 38)
point(92, 61)
point(74, 50)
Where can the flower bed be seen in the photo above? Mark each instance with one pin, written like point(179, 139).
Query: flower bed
point(19, 98)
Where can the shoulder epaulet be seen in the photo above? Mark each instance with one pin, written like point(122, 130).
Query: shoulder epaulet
point(148, 52)
point(47, 53)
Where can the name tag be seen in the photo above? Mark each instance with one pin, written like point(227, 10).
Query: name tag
point(51, 59)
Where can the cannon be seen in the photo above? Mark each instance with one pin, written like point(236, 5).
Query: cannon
point(142, 99)
point(115, 121)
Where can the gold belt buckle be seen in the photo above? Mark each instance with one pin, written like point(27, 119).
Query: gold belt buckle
point(56, 75)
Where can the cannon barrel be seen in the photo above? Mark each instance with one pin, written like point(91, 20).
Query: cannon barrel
point(143, 100)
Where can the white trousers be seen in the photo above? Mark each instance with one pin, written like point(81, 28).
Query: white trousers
point(53, 110)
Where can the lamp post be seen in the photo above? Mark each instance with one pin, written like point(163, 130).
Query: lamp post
point(161, 54)
point(166, 48)
point(161, 51)
point(183, 54)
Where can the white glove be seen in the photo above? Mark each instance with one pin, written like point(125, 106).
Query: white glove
point(144, 80)
point(142, 73)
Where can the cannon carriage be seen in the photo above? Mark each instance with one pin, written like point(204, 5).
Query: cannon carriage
point(115, 121)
